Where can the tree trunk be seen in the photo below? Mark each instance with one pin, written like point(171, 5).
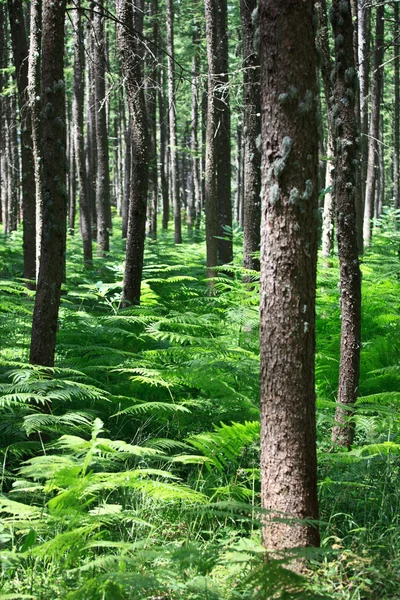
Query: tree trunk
point(251, 135)
point(288, 272)
point(45, 315)
point(77, 118)
point(194, 144)
point(91, 149)
point(396, 118)
point(374, 123)
point(172, 124)
point(223, 134)
point(322, 42)
point(129, 49)
point(103, 168)
point(346, 159)
point(34, 95)
point(364, 32)
point(20, 56)
point(211, 159)
point(152, 121)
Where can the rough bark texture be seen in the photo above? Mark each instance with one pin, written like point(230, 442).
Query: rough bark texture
point(346, 159)
point(77, 119)
point(288, 270)
point(252, 133)
point(152, 120)
point(20, 57)
point(45, 315)
point(374, 124)
point(103, 169)
point(128, 44)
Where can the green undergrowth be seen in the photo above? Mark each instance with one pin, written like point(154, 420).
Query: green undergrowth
point(130, 469)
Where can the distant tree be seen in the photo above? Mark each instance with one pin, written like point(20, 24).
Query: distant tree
point(47, 301)
point(173, 143)
point(77, 121)
point(20, 57)
point(252, 136)
point(288, 271)
point(373, 139)
point(103, 168)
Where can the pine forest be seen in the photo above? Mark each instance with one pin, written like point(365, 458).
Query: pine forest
point(199, 299)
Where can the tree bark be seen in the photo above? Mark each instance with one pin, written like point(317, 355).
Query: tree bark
point(45, 315)
point(252, 136)
point(194, 143)
point(77, 118)
point(20, 57)
point(129, 50)
point(172, 124)
point(103, 168)
point(364, 32)
point(223, 134)
point(374, 123)
point(346, 159)
point(34, 95)
point(288, 271)
point(396, 117)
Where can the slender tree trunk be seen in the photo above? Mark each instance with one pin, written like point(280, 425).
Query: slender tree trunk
point(20, 56)
point(91, 149)
point(127, 179)
point(77, 118)
point(288, 272)
point(72, 179)
point(396, 117)
point(45, 315)
point(34, 95)
point(374, 123)
point(364, 32)
point(223, 135)
point(211, 158)
point(322, 42)
point(103, 168)
point(172, 124)
point(152, 120)
point(2, 111)
point(14, 166)
point(194, 144)
point(252, 135)
point(346, 157)
point(129, 49)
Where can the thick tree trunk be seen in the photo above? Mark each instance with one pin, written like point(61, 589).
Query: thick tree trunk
point(346, 159)
point(288, 271)
point(252, 135)
point(20, 56)
point(45, 315)
point(103, 168)
point(129, 50)
point(374, 123)
point(77, 118)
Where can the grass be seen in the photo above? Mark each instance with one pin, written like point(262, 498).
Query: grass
point(142, 480)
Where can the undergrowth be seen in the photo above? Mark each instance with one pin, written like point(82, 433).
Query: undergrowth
point(130, 470)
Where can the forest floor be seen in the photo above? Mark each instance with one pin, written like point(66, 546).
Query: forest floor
point(131, 469)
